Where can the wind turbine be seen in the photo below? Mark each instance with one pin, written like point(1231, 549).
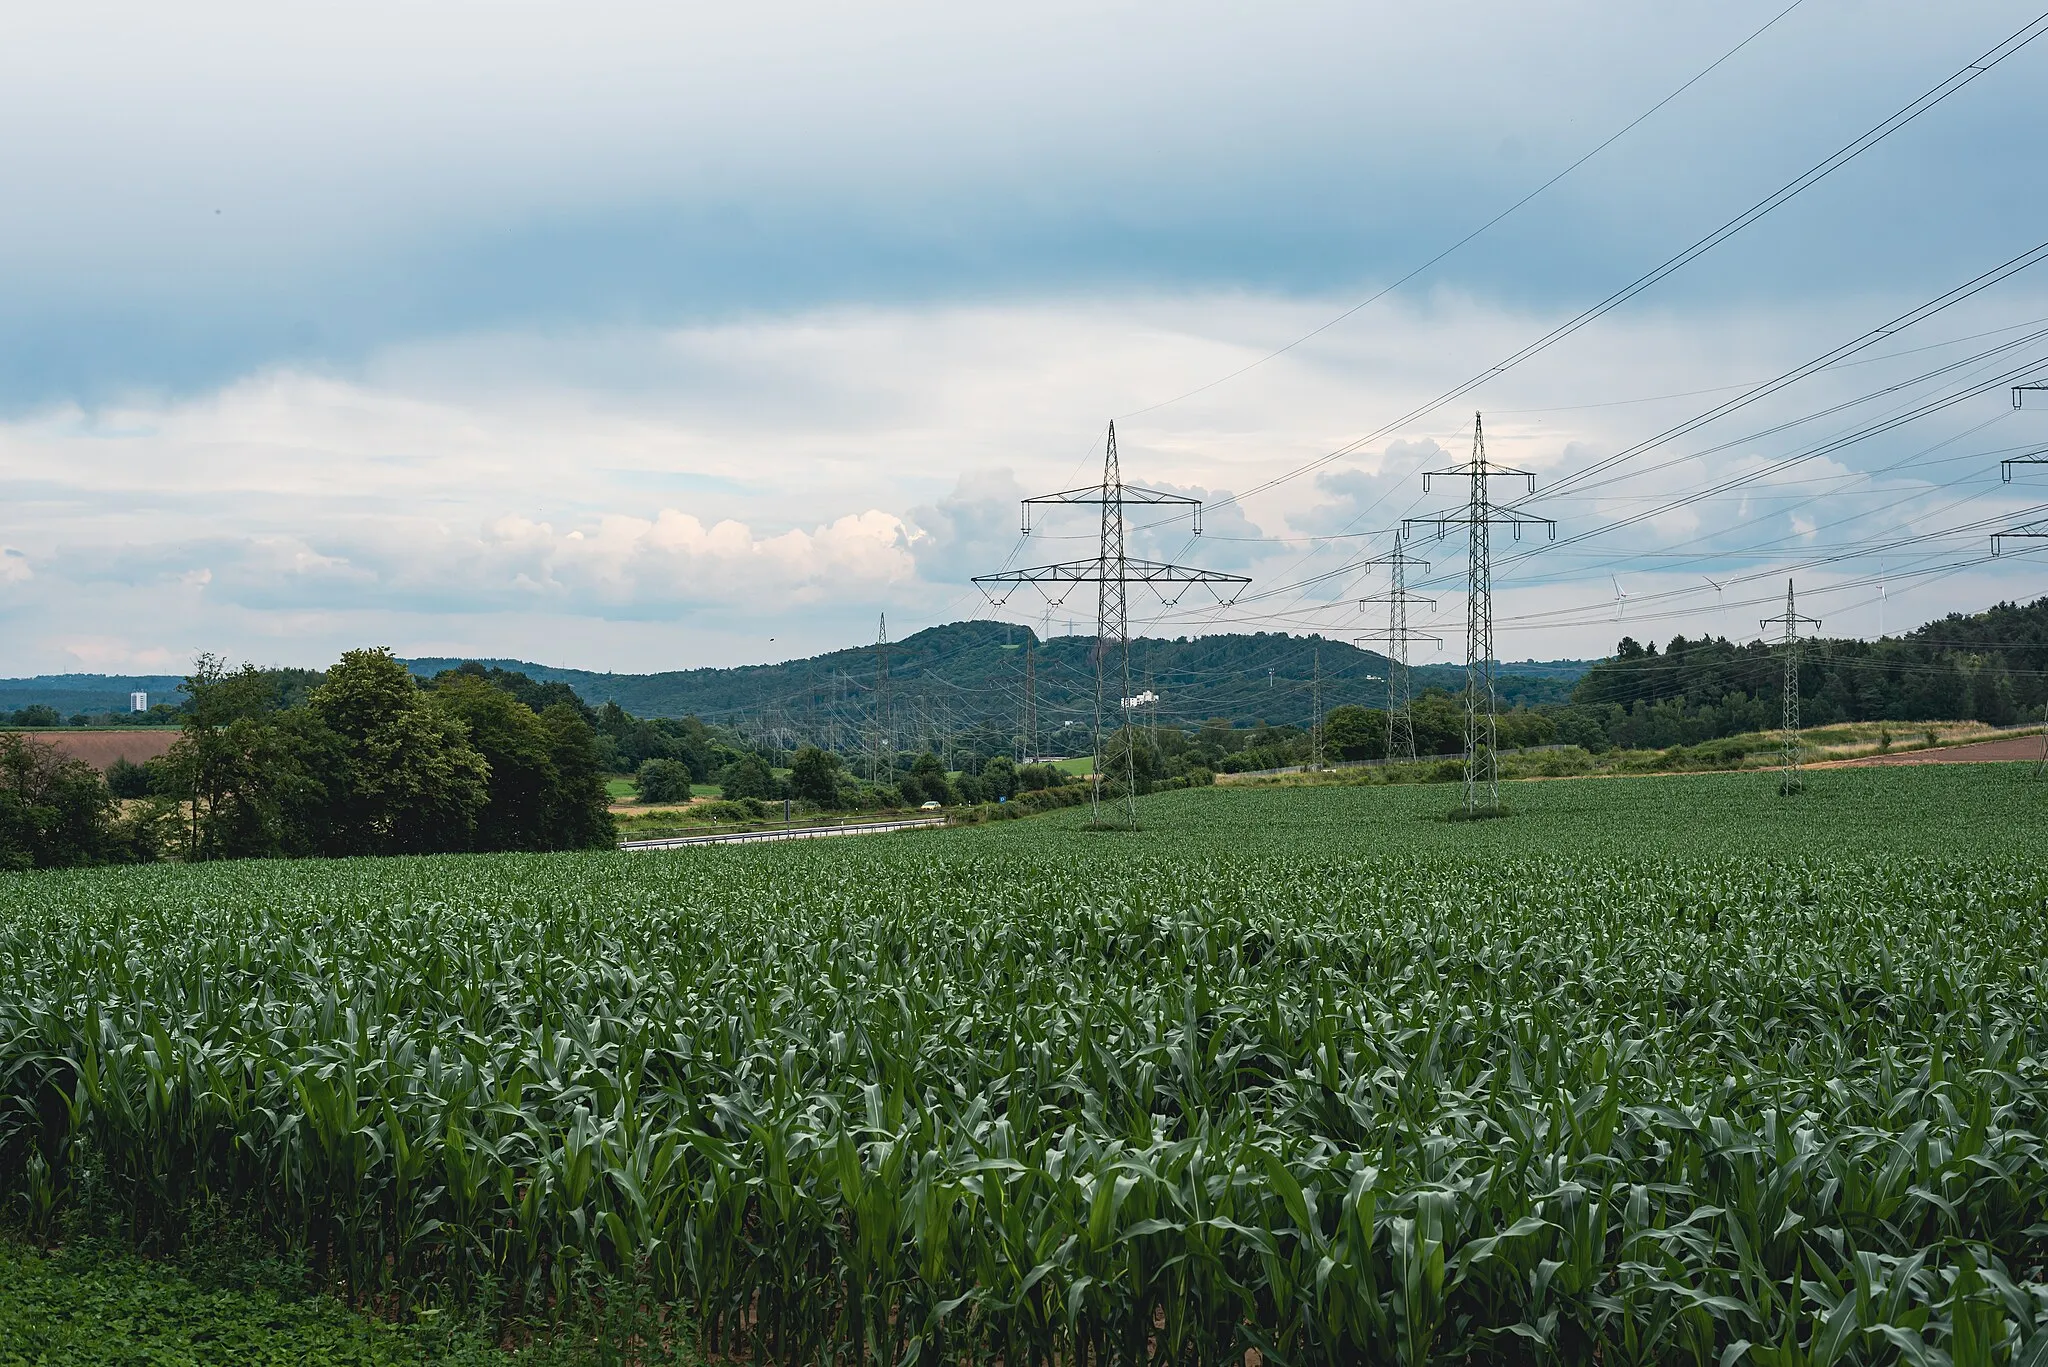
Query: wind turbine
point(1620, 599)
point(1720, 612)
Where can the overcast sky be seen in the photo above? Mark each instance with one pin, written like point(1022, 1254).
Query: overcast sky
point(653, 336)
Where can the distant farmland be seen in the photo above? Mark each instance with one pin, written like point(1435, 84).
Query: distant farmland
point(102, 748)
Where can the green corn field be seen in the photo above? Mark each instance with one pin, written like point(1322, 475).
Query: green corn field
point(1664, 1070)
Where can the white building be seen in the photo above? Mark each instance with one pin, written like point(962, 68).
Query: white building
point(138, 702)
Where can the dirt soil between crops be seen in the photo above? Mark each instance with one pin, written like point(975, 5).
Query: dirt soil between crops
point(1983, 752)
point(102, 748)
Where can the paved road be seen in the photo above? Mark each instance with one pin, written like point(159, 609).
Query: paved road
point(783, 833)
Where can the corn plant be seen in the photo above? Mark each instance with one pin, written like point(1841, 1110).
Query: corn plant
point(1642, 1074)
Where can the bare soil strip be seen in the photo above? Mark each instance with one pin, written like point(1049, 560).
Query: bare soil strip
point(1983, 752)
point(102, 748)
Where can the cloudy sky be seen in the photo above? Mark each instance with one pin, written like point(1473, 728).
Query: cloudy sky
point(640, 336)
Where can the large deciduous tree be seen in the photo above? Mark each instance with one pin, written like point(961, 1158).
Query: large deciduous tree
point(409, 780)
point(54, 812)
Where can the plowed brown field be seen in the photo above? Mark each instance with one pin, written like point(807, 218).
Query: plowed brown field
point(102, 748)
point(1983, 752)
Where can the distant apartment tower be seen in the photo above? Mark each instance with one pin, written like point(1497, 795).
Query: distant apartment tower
point(138, 702)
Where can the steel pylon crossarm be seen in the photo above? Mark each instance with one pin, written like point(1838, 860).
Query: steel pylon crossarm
point(1091, 571)
point(1124, 494)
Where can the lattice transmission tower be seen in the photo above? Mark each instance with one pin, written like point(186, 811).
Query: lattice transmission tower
point(1027, 741)
point(1395, 641)
point(878, 753)
point(1315, 714)
point(1478, 517)
point(1789, 780)
point(1112, 570)
point(2026, 531)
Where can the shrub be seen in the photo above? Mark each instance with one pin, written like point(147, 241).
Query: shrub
point(663, 780)
point(126, 779)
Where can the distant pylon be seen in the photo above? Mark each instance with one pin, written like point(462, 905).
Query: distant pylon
point(1029, 746)
point(1400, 692)
point(1315, 724)
point(1789, 780)
point(1482, 760)
point(878, 755)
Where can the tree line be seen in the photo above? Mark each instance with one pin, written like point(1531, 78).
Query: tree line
point(1990, 667)
point(361, 759)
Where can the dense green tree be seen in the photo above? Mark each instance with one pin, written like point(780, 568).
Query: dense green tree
point(580, 810)
point(535, 694)
point(663, 780)
point(513, 742)
point(1351, 732)
point(254, 779)
point(999, 776)
point(409, 779)
point(635, 740)
point(127, 779)
point(55, 812)
point(814, 776)
point(926, 782)
point(747, 776)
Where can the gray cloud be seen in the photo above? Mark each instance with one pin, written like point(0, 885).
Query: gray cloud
point(414, 173)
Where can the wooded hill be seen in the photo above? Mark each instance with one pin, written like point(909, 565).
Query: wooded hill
point(1990, 666)
point(967, 674)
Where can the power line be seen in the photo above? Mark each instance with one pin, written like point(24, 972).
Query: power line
point(1807, 179)
point(1613, 138)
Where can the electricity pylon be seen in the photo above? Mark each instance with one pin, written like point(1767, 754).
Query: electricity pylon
point(1112, 571)
point(1029, 748)
point(1400, 693)
point(1790, 782)
point(1479, 515)
point(878, 755)
point(1315, 720)
point(2020, 392)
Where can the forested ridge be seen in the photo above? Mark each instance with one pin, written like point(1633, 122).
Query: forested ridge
point(1990, 666)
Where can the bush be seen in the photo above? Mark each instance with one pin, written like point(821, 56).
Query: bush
point(731, 809)
point(748, 776)
point(814, 776)
point(663, 780)
point(126, 779)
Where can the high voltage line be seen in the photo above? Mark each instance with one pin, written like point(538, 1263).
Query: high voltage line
point(1597, 475)
point(1388, 289)
point(1899, 119)
point(1812, 176)
point(1997, 275)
